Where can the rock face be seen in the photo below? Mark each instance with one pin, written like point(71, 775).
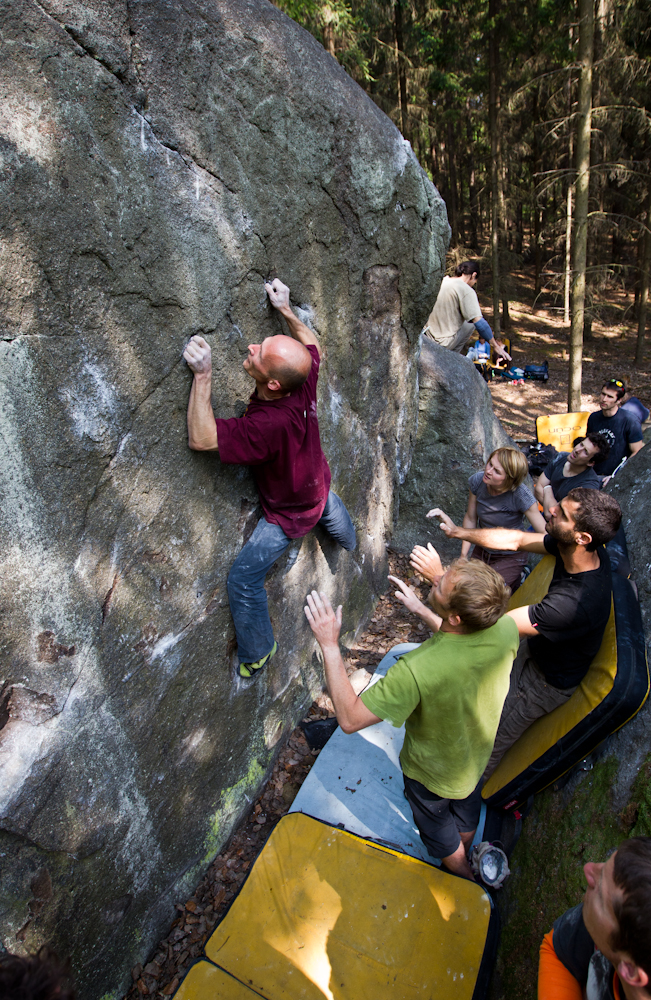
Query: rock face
point(159, 161)
point(457, 431)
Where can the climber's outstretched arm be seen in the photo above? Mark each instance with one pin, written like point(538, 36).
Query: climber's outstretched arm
point(279, 298)
point(202, 429)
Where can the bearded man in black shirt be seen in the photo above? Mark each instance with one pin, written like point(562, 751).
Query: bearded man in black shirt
point(561, 635)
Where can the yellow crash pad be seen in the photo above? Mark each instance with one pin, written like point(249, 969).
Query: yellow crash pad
point(560, 429)
point(206, 982)
point(592, 690)
point(325, 914)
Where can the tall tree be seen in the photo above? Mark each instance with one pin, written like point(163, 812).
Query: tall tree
point(580, 248)
point(496, 171)
point(644, 284)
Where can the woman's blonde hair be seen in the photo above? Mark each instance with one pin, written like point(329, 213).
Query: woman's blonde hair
point(514, 464)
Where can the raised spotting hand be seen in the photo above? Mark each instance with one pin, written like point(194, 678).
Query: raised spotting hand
point(447, 525)
point(426, 561)
point(324, 622)
point(407, 596)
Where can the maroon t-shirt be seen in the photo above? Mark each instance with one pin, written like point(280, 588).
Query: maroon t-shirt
point(280, 439)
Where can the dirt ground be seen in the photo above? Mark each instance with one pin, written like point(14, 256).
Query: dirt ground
point(541, 335)
point(536, 336)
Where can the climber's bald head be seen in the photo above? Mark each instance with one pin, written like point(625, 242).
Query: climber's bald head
point(281, 364)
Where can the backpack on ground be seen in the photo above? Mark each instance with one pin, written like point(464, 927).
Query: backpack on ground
point(539, 373)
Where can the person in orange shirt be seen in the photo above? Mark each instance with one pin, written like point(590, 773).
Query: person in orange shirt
point(601, 949)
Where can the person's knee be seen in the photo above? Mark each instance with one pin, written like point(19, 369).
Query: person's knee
point(350, 544)
point(233, 585)
point(236, 585)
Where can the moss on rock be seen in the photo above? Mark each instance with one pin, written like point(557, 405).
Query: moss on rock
point(638, 811)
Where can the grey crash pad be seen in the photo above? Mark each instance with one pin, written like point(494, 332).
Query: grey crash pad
point(357, 782)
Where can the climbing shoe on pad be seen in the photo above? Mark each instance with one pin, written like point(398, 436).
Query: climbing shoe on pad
point(251, 669)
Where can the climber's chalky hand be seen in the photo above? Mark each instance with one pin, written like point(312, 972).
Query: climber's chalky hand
point(278, 294)
point(198, 356)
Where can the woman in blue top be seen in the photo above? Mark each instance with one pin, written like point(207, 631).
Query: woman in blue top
point(499, 499)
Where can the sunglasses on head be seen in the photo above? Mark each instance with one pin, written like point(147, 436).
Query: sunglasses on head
point(614, 381)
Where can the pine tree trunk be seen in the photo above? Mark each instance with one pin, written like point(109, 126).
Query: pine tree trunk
point(493, 124)
point(584, 121)
point(402, 74)
point(644, 285)
point(569, 198)
point(329, 37)
point(535, 208)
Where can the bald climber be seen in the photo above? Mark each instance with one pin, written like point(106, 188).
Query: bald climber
point(278, 436)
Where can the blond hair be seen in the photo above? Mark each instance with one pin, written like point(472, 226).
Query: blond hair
point(514, 464)
point(478, 595)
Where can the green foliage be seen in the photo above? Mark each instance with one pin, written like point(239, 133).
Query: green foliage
point(425, 63)
point(639, 809)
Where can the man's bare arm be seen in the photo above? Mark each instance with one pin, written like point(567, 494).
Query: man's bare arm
point(352, 713)
point(539, 487)
point(501, 539)
point(535, 519)
point(521, 618)
point(469, 521)
point(202, 429)
point(407, 597)
point(635, 447)
point(279, 298)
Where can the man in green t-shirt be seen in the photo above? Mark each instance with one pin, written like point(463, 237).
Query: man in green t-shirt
point(448, 693)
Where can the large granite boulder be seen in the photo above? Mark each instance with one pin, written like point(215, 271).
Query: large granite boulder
point(457, 431)
point(159, 161)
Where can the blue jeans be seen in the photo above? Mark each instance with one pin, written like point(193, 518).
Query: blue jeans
point(246, 594)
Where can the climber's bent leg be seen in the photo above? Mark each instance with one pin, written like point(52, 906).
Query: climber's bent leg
point(246, 594)
point(336, 520)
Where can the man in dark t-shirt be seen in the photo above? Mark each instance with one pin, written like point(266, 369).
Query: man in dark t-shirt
point(571, 469)
point(601, 949)
point(278, 436)
point(620, 427)
point(561, 634)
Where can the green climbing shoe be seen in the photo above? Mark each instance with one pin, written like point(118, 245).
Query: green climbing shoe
point(251, 669)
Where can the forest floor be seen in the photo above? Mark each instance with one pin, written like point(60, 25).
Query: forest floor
point(536, 336)
point(540, 335)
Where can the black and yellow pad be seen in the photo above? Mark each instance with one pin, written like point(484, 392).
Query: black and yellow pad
point(560, 429)
point(612, 692)
point(326, 914)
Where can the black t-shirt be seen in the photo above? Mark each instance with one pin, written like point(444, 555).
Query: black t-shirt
point(570, 620)
point(620, 430)
point(575, 949)
point(561, 485)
